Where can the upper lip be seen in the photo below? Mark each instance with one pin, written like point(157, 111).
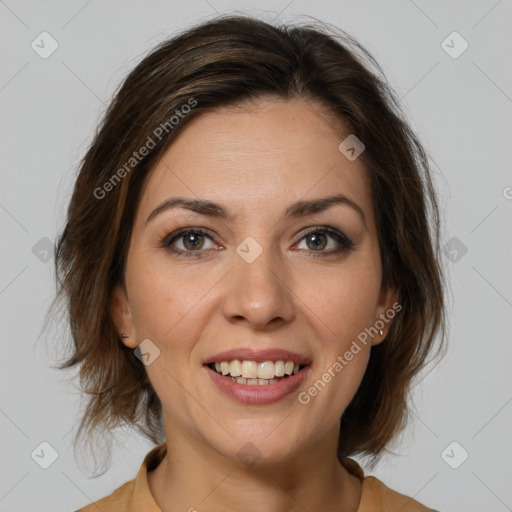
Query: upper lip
point(249, 354)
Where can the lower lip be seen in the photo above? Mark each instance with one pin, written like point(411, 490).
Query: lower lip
point(265, 394)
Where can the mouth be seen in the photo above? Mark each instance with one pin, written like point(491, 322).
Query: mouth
point(257, 377)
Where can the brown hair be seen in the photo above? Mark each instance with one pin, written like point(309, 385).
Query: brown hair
point(233, 60)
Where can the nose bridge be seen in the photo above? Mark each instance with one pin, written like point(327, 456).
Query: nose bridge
point(257, 290)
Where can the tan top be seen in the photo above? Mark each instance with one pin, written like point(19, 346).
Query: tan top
point(135, 495)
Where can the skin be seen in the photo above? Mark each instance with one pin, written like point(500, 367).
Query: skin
point(255, 162)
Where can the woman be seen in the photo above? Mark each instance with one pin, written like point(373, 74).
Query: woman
point(250, 265)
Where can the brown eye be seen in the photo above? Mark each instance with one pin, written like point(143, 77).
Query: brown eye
point(318, 239)
point(193, 241)
point(190, 242)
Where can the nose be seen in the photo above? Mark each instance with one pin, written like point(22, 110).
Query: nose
point(259, 293)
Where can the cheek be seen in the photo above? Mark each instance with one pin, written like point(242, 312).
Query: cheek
point(167, 309)
point(167, 306)
point(347, 307)
point(342, 303)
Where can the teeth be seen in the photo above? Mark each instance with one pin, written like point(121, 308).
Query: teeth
point(279, 368)
point(249, 369)
point(235, 368)
point(266, 370)
point(253, 373)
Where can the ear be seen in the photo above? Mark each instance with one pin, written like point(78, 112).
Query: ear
point(387, 307)
point(122, 317)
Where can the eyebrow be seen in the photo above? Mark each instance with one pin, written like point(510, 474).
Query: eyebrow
point(299, 209)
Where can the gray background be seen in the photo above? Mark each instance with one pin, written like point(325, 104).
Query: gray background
point(460, 108)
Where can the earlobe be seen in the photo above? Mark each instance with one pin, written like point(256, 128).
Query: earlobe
point(121, 316)
point(386, 311)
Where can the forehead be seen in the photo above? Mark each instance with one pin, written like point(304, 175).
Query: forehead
point(275, 152)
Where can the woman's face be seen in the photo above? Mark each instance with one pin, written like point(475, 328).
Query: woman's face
point(275, 274)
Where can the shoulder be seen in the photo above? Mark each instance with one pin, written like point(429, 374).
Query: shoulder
point(134, 495)
point(376, 496)
point(115, 502)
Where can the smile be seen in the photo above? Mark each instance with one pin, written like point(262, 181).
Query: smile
point(251, 376)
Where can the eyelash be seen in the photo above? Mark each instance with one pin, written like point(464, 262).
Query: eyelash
point(345, 243)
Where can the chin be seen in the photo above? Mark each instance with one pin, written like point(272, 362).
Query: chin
point(259, 444)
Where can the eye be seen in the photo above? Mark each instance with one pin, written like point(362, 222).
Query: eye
point(317, 240)
point(189, 241)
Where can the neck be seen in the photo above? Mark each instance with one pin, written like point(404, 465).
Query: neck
point(194, 477)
